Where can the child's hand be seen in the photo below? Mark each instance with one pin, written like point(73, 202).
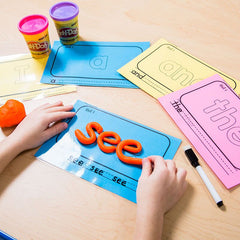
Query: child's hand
point(41, 124)
point(160, 186)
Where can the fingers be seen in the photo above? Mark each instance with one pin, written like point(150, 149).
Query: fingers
point(58, 116)
point(157, 162)
point(181, 179)
point(181, 174)
point(54, 107)
point(146, 168)
point(171, 166)
point(56, 112)
point(59, 108)
point(55, 129)
point(50, 105)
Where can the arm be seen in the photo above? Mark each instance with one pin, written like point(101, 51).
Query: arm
point(36, 128)
point(160, 186)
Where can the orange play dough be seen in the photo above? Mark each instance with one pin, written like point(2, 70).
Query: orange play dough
point(11, 113)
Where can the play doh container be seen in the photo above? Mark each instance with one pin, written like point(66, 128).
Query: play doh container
point(35, 31)
point(65, 17)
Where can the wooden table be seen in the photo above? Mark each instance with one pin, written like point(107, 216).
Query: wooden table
point(39, 201)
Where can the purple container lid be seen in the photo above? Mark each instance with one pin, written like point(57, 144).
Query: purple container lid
point(64, 11)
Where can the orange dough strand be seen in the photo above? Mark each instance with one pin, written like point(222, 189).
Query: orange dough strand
point(90, 130)
point(103, 137)
point(127, 145)
point(11, 113)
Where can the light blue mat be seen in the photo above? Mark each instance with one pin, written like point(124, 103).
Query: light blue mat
point(102, 169)
point(91, 63)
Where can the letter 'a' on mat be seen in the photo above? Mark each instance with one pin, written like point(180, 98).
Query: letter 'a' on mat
point(91, 63)
point(105, 169)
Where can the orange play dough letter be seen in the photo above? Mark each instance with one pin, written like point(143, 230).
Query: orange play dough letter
point(103, 137)
point(90, 130)
point(127, 145)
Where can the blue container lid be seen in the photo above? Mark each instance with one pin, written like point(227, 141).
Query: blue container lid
point(64, 11)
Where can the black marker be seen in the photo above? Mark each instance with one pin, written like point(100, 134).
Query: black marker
point(194, 161)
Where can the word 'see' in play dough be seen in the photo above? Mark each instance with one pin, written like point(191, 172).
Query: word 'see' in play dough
point(112, 138)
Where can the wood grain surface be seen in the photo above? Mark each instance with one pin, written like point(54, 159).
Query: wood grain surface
point(39, 201)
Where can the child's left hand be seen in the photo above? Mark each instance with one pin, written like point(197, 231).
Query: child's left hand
point(41, 124)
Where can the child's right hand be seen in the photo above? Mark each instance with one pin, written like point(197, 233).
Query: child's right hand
point(160, 186)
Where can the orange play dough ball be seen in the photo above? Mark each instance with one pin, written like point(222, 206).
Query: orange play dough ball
point(11, 113)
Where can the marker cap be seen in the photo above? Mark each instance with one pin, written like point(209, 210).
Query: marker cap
point(220, 203)
point(191, 156)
